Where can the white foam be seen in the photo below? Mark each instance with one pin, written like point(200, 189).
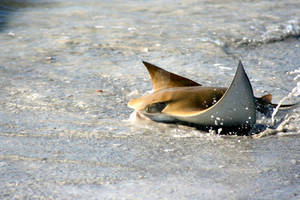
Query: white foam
point(295, 92)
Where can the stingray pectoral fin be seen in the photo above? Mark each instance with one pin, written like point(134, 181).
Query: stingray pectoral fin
point(235, 108)
point(162, 79)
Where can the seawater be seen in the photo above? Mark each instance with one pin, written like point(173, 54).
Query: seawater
point(61, 139)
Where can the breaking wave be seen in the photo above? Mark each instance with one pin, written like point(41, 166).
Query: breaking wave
point(272, 33)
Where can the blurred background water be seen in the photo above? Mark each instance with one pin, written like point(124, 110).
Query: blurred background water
point(60, 139)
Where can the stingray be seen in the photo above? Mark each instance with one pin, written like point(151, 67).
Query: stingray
point(176, 99)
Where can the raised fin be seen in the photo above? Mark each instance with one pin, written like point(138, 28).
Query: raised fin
point(162, 79)
point(235, 108)
point(264, 105)
point(267, 98)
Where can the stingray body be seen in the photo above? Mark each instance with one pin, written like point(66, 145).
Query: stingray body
point(178, 99)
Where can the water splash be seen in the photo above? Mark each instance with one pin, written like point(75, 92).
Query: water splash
point(294, 93)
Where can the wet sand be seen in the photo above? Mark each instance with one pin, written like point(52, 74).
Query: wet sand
point(61, 139)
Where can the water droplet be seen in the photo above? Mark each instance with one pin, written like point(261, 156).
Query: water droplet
point(219, 130)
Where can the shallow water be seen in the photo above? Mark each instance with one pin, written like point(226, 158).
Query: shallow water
point(60, 139)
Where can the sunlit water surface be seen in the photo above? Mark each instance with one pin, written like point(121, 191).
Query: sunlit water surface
point(60, 139)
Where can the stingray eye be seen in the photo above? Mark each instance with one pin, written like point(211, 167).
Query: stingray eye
point(155, 107)
point(148, 109)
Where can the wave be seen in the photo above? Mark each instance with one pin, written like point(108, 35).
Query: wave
point(272, 33)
